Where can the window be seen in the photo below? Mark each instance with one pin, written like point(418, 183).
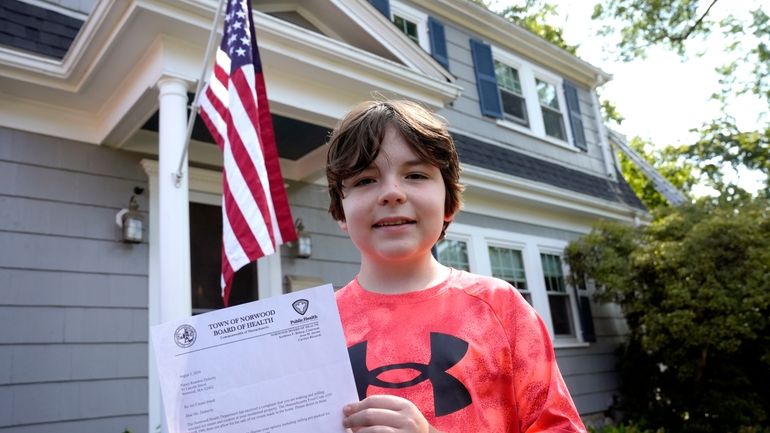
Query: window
point(523, 87)
point(549, 106)
point(526, 97)
point(412, 22)
point(514, 104)
point(521, 259)
point(453, 253)
point(423, 29)
point(508, 265)
point(558, 297)
point(409, 28)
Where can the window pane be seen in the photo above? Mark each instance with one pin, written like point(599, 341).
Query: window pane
point(561, 314)
point(409, 28)
point(514, 104)
point(553, 273)
point(453, 253)
point(554, 123)
point(547, 94)
point(507, 78)
point(514, 107)
point(508, 265)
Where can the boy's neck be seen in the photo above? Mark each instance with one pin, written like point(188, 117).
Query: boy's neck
point(402, 277)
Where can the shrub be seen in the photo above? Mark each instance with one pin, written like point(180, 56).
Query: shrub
point(694, 287)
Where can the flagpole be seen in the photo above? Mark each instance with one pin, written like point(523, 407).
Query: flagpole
point(194, 107)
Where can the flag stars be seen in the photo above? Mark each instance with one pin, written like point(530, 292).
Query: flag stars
point(240, 52)
point(237, 25)
point(245, 41)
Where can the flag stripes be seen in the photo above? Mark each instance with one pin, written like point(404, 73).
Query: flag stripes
point(256, 217)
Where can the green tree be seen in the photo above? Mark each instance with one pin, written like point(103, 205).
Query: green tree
point(744, 37)
point(642, 23)
point(667, 161)
point(694, 287)
point(534, 15)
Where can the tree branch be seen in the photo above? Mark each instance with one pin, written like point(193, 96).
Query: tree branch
point(685, 35)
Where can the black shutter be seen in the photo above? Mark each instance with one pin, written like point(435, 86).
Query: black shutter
point(383, 6)
point(486, 83)
point(438, 42)
point(584, 309)
point(575, 118)
point(586, 319)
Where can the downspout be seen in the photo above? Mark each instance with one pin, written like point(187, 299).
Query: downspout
point(610, 163)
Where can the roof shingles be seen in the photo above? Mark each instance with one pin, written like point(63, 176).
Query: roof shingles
point(481, 154)
point(35, 29)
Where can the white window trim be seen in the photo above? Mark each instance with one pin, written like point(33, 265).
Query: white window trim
point(558, 83)
point(479, 239)
point(472, 260)
point(570, 291)
point(415, 16)
point(511, 245)
point(528, 73)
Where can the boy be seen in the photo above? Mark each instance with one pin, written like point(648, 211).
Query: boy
point(432, 348)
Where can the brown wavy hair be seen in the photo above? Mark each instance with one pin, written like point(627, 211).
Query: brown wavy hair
point(356, 140)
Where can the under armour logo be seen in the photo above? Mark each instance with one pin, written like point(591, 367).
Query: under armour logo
point(449, 394)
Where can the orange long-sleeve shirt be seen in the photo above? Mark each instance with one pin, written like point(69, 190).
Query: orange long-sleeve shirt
point(470, 353)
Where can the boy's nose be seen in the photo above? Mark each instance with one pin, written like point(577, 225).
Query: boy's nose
point(391, 193)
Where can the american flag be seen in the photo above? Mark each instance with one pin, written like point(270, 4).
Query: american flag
point(255, 211)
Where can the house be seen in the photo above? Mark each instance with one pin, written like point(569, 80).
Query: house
point(93, 100)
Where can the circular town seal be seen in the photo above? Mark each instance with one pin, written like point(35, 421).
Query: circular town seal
point(185, 336)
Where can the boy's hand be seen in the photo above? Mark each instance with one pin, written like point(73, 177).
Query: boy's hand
point(385, 414)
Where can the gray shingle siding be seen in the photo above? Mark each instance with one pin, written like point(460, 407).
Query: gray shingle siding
point(481, 154)
point(35, 29)
point(335, 260)
point(73, 299)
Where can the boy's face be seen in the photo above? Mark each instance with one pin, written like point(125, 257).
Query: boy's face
point(394, 209)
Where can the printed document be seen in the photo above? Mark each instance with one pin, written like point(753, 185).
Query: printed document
point(277, 365)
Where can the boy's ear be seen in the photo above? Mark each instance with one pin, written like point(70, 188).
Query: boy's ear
point(343, 225)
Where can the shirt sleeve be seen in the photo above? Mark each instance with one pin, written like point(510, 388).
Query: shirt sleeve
point(543, 402)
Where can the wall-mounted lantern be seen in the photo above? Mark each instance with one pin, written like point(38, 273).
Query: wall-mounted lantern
point(303, 247)
point(131, 221)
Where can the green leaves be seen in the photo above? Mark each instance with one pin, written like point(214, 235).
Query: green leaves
point(534, 15)
point(744, 38)
point(642, 23)
point(695, 288)
point(670, 162)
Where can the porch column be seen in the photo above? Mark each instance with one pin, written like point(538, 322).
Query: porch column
point(174, 218)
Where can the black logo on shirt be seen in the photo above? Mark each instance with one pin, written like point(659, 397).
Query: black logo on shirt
point(449, 394)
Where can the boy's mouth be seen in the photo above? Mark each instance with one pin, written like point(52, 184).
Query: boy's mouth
point(390, 222)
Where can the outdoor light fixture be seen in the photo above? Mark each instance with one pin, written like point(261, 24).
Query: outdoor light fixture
point(303, 247)
point(131, 221)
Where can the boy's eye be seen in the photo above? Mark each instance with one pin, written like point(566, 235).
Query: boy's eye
point(362, 182)
point(416, 176)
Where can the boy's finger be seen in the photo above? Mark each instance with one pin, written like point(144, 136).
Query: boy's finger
point(381, 402)
point(371, 417)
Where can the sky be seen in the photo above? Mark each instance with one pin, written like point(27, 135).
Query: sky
point(661, 97)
